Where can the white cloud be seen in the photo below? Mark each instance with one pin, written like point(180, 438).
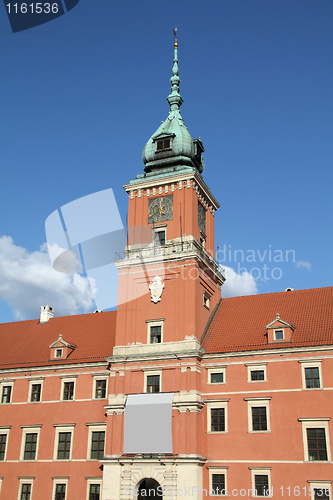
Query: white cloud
point(303, 263)
point(27, 281)
point(238, 284)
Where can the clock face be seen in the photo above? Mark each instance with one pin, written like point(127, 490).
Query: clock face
point(160, 209)
point(201, 217)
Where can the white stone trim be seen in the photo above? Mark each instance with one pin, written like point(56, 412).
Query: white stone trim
point(64, 380)
point(257, 402)
point(58, 429)
point(100, 377)
point(308, 363)
point(35, 429)
point(217, 404)
point(94, 480)
point(149, 373)
point(6, 383)
point(260, 471)
point(315, 423)
point(217, 470)
point(252, 367)
point(59, 480)
point(5, 430)
point(221, 369)
point(25, 480)
point(317, 484)
point(94, 428)
point(154, 322)
point(35, 381)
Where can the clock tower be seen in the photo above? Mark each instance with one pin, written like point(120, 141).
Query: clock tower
point(171, 241)
point(169, 286)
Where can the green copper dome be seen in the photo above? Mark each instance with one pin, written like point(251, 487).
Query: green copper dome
point(171, 147)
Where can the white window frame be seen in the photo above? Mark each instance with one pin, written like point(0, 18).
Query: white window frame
point(255, 402)
point(315, 423)
point(25, 480)
point(154, 322)
point(98, 427)
point(96, 378)
point(58, 349)
point(32, 382)
point(316, 363)
point(159, 229)
point(278, 330)
point(58, 429)
point(206, 299)
point(149, 373)
point(59, 480)
point(217, 470)
point(1, 478)
point(317, 485)
point(29, 429)
point(5, 430)
point(253, 367)
point(221, 403)
point(93, 480)
point(65, 380)
point(219, 369)
point(6, 383)
point(261, 471)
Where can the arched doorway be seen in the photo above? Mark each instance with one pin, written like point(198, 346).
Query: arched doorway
point(149, 488)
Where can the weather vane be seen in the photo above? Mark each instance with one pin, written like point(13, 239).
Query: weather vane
point(175, 33)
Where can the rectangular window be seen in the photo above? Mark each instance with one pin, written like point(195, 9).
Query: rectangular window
point(68, 393)
point(258, 414)
point(30, 446)
point(25, 491)
point(261, 485)
point(64, 445)
point(58, 353)
point(97, 445)
point(6, 393)
point(312, 379)
point(321, 494)
point(206, 300)
point(155, 334)
point(159, 237)
point(3, 442)
point(278, 335)
point(218, 484)
point(217, 416)
point(100, 390)
point(257, 375)
point(60, 492)
point(163, 144)
point(317, 444)
point(216, 378)
point(35, 392)
point(94, 491)
point(153, 383)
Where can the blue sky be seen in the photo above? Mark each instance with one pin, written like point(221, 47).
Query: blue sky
point(82, 94)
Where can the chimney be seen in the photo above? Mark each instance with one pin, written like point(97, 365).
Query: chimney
point(46, 313)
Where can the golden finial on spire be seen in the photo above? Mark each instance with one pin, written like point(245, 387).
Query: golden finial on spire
point(175, 33)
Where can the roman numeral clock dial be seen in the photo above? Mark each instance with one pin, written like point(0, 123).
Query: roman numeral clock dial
point(160, 209)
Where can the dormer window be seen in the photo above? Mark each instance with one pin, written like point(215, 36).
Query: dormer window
point(163, 144)
point(279, 330)
point(60, 349)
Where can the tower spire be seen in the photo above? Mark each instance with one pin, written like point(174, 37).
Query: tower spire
point(174, 99)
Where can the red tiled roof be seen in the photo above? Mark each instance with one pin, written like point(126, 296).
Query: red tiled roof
point(26, 343)
point(239, 323)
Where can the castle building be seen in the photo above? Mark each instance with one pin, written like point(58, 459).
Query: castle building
point(178, 393)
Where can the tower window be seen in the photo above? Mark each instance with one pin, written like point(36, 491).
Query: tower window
point(159, 237)
point(156, 334)
point(163, 144)
point(153, 383)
